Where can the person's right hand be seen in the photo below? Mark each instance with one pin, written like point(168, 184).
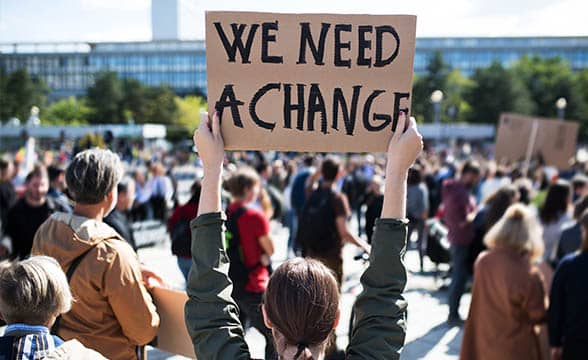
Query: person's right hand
point(404, 147)
point(209, 143)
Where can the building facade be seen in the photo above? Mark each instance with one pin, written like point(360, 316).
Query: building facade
point(69, 68)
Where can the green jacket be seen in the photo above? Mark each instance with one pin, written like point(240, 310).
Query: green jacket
point(212, 316)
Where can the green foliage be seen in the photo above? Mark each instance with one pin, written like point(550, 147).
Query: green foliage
point(188, 120)
point(106, 98)
point(496, 90)
point(18, 93)
point(435, 79)
point(70, 111)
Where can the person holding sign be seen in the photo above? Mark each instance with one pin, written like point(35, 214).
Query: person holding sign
point(300, 305)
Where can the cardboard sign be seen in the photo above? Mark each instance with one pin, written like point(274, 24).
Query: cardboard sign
point(551, 140)
point(309, 82)
point(172, 335)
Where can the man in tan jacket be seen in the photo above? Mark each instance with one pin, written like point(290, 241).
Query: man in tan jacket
point(113, 312)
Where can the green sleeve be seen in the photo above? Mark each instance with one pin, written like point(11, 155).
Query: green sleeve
point(380, 310)
point(212, 316)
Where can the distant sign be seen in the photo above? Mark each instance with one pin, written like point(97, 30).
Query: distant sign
point(309, 82)
point(551, 140)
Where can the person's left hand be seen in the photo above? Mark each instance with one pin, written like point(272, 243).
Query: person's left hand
point(209, 143)
point(151, 279)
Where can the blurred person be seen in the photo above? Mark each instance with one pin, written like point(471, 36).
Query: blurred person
point(554, 216)
point(492, 210)
point(113, 312)
point(7, 200)
point(250, 238)
point(571, 235)
point(417, 208)
point(57, 187)
point(29, 212)
point(579, 186)
point(33, 293)
point(354, 187)
point(271, 192)
point(162, 191)
point(323, 227)
point(119, 217)
point(298, 198)
point(179, 229)
point(374, 202)
point(568, 301)
point(508, 296)
point(459, 205)
point(142, 209)
point(302, 299)
point(494, 180)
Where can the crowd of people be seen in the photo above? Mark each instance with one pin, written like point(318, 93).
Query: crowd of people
point(519, 233)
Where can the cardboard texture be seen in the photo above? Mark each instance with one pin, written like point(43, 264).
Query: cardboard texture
point(555, 142)
point(294, 79)
point(172, 335)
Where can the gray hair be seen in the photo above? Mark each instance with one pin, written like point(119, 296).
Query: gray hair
point(33, 291)
point(93, 174)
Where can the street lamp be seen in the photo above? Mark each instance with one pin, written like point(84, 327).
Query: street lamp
point(436, 98)
point(561, 105)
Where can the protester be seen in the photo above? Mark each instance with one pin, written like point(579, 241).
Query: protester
point(322, 227)
point(119, 217)
point(113, 312)
point(33, 293)
point(571, 235)
point(162, 192)
point(508, 297)
point(374, 202)
point(554, 216)
point(7, 200)
point(179, 229)
point(301, 301)
point(298, 198)
point(568, 334)
point(459, 205)
point(250, 231)
point(492, 210)
point(57, 187)
point(29, 212)
point(276, 199)
point(417, 208)
point(142, 209)
point(579, 186)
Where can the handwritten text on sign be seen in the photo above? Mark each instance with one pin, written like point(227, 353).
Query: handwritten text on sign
point(309, 82)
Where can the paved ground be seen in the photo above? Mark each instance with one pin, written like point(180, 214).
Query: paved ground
point(428, 336)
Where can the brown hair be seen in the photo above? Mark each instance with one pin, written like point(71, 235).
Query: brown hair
point(242, 180)
point(301, 302)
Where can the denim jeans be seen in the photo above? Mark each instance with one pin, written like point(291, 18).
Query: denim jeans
point(459, 276)
point(184, 264)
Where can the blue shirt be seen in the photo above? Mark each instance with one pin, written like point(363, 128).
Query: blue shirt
point(24, 342)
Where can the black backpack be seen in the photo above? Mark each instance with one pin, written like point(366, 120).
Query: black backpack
point(181, 238)
point(238, 272)
point(317, 231)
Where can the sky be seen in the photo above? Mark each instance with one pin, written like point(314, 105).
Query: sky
point(130, 20)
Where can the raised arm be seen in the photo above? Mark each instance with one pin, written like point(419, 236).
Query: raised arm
point(211, 315)
point(380, 326)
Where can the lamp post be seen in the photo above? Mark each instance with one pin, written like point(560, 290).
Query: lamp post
point(561, 105)
point(436, 98)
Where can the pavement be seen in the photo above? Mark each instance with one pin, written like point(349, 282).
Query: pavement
point(428, 335)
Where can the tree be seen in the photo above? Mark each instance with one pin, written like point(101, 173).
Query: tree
point(434, 79)
point(188, 119)
point(547, 80)
point(19, 93)
point(106, 98)
point(69, 111)
point(496, 90)
point(160, 106)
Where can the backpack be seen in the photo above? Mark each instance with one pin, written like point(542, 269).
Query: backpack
point(317, 230)
point(238, 272)
point(181, 238)
point(437, 243)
